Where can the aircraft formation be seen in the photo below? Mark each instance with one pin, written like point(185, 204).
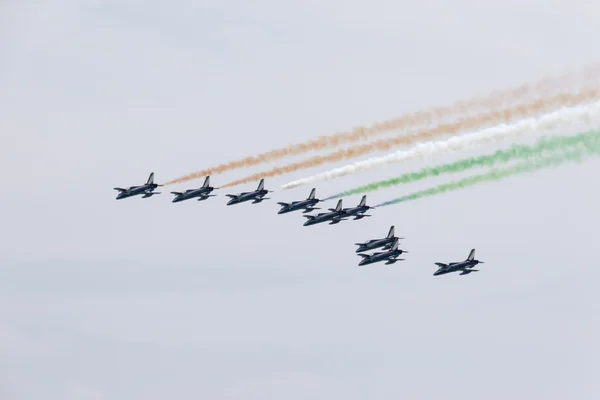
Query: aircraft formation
point(389, 244)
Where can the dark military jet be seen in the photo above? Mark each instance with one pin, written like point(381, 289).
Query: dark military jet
point(386, 242)
point(390, 256)
point(307, 205)
point(256, 196)
point(147, 190)
point(334, 215)
point(202, 193)
point(464, 266)
point(359, 211)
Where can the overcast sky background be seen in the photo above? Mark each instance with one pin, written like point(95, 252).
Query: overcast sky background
point(144, 299)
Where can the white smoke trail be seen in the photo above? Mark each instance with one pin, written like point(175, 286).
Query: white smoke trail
point(565, 118)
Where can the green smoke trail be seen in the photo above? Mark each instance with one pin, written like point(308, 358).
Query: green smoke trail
point(514, 152)
point(574, 154)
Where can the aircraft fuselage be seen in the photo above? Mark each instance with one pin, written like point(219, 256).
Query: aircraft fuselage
point(242, 197)
point(335, 217)
point(356, 212)
point(388, 256)
point(387, 242)
point(136, 190)
point(464, 266)
point(192, 193)
point(297, 205)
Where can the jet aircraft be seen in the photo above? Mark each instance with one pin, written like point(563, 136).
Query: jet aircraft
point(202, 193)
point(390, 256)
point(385, 242)
point(256, 196)
point(464, 266)
point(147, 189)
point(359, 211)
point(308, 205)
point(334, 215)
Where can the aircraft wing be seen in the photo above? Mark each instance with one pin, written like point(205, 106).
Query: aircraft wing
point(439, 264)
point(364, 255)
point(233, 196)
point(282, 204)
point(120, 189)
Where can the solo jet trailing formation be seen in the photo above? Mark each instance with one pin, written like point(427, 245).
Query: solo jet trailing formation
point(389, 244)
point(147, 190)
point(256, 196)
point(464, 266)
point(390, 256)
point(202, 193)
point(386, 242)
point(307, 205)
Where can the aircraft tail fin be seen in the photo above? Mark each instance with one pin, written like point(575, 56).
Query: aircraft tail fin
point(471, 255)
point(150, 179)
point(394, 246)
point(391, 232)
point(363, 201)
point(312, 194)
point(338, 207)
point(261, 185)
point(206, 182)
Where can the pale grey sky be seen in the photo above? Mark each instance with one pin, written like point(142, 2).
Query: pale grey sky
point(145, 299)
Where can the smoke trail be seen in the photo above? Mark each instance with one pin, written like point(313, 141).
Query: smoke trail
point(543, 147)
point(561, 118)
point(443, 129)
point(535, 164)
point(494, 99)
